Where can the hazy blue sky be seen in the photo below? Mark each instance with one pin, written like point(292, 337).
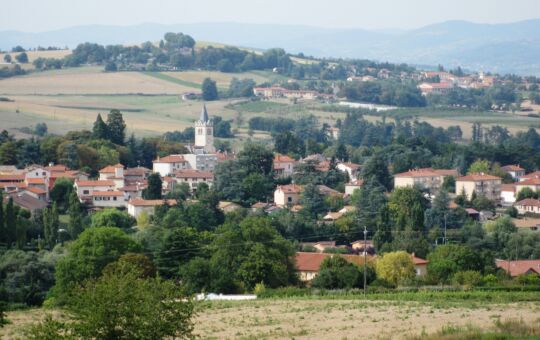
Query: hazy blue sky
point(41, 15)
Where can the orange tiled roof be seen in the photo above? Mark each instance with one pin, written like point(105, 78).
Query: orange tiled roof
point(478, 177)
point(427, 172)
point(519, 267)
point(278, 158)
point(107, 193)
point(530, 181)
point(311, 262)
point(140, 202)
point(192, 173)
point(35, 180)
point(36, 190)
point(508, 187)
point(512, 168)
point(291, 188)
point(12, 178)
point(111, 168)
point(529, 202)
point(170, 159)
point(106, 183)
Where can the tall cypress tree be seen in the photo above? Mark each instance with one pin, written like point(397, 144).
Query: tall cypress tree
point(50, 224)
point(11, 223)
point(100, 129)
point(75, 226)
point(20, 233)
point(117, 127)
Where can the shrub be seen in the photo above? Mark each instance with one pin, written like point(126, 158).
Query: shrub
point(468, 278)
point(121, 305)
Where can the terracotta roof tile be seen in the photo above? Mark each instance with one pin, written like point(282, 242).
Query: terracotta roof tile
point(139, 202)
point(107, 193)
point(106, 183)
point(478, 177)
point(519, 267)
point(171, 159)
point(528, 202)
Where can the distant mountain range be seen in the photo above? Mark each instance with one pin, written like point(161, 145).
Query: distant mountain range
point(503, 48)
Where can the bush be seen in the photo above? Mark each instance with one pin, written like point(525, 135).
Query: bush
point(528, 279)
point(468, 278)
point(121, 305)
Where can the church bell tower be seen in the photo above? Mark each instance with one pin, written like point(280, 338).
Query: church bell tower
point(204, 132)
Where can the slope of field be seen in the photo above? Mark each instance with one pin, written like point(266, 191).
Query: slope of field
point(87, 80)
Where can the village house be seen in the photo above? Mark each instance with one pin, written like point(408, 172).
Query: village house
point(435, 88)
point(193, 177)
point(333, 132)
point(362, 246)
point(308, 264)
point(514, 170)
point(137, 205)
point(108, 199)
point(280, 92)
point(25, 201)
point(36, 192)
point(283, 165)
point(483, 184)
point(532, 224)
point(228, 207)
point(532, 183)
point(84, 189)
point(287, 195)
point(535, 174)
point(169, 164)
point(352, 186)
point(352, 169)
point(528, 205)
point(420, 265)
point(519, 267)
point(425, 179)
point(508, 194)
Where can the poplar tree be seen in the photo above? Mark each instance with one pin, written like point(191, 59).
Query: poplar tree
point(50, 224)
point(2, 222)
point(10, 223)
point(75, 226)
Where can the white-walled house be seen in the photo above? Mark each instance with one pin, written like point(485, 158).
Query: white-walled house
point(528, 205)
point(137, 205)
point(85, 189)
point(483, 184)
point(108, 199)
point(169, 164)
point(194, 177)
point(514, 170)
point(508, 194)
point(283, 165)
point(352, 169)
point(352, 186)
point(201, 160)
point(287, 194)
point(427, 178)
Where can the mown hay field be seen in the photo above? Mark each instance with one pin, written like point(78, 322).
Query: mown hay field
point(329, 318)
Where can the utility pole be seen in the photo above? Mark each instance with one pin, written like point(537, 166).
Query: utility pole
point(365, 261)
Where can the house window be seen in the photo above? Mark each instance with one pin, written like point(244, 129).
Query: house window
point(86, 192)
point(289, 199)
point(114, 198)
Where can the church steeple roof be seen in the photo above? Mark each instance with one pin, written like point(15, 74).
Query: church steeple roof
point(204, 114)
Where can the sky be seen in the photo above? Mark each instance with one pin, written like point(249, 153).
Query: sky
point(44, 15)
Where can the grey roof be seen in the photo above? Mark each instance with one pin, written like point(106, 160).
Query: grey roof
point(28, 202)
point(204, 114)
